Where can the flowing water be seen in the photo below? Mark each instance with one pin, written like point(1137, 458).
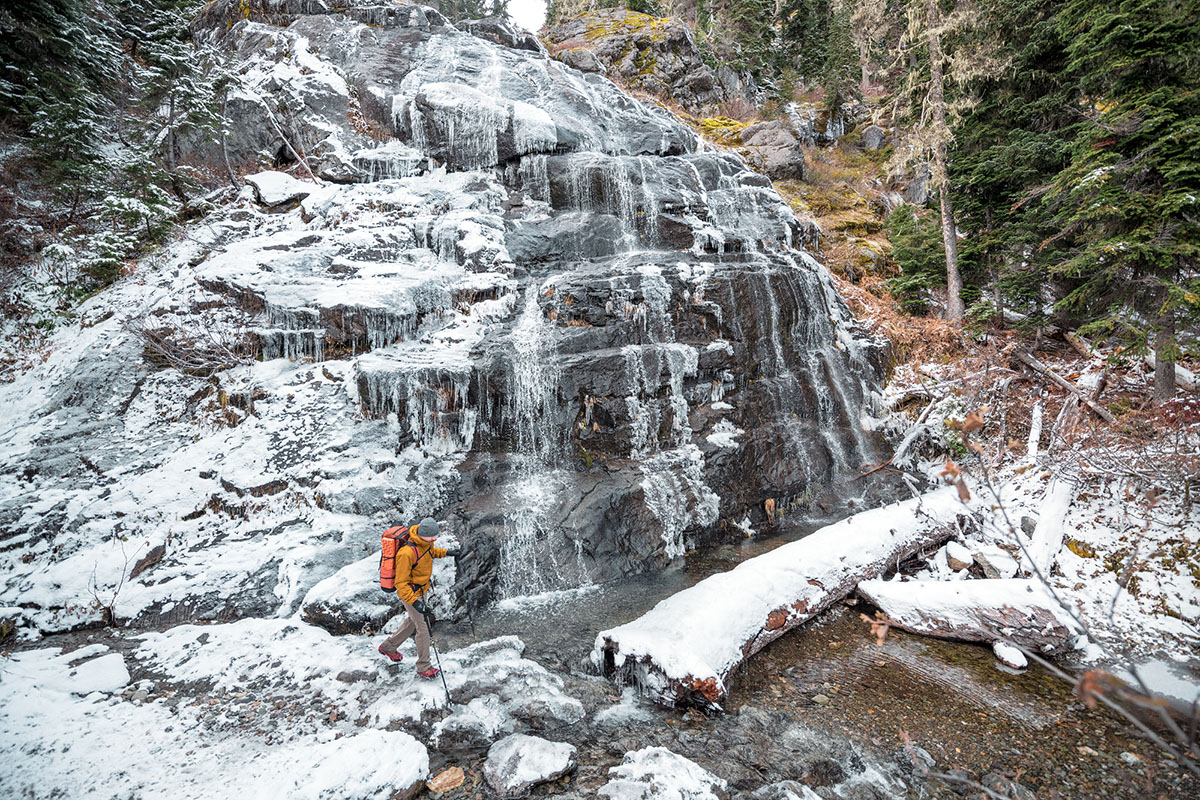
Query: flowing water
point(528, 564)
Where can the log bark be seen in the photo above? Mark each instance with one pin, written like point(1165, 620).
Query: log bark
point(1047, 538)
point(1013, 610)
point(1028, 359)
point(684, 650)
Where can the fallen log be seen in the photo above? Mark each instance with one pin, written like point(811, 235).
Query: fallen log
point(1012, 610)
point(1184, 377)
point(684, 650)
point(1028, 359)
point(1047, 539)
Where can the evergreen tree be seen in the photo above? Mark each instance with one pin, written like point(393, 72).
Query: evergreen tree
point(841, 58)
point(1127, 205)
point(177, 80)
point(1007, 149)
point(59, 57)
point(805, 31)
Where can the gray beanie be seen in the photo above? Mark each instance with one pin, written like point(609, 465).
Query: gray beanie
point(427, 528)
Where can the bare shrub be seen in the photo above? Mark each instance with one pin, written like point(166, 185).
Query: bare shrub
point(200, 351)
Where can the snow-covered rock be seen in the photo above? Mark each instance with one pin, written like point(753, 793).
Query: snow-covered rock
point(81, 672)
point(958, 556)
point(518, 762)
point(995, 561)
point(278, 188)
point(350, 600)
point(55, 742)
point(655, 773)
point(1009, 656)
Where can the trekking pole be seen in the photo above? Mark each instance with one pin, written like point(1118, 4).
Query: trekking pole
point(441, 674)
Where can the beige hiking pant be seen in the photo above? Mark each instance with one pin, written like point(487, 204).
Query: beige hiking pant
point(414, 625)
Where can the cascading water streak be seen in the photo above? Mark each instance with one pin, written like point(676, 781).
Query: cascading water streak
point(532, 553)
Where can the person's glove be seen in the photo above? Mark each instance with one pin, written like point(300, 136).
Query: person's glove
point(420, 606)
point(453, 552)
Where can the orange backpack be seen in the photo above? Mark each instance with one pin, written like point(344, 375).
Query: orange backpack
point(393, 539)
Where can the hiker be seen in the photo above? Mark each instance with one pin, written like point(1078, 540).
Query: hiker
point(414, 569)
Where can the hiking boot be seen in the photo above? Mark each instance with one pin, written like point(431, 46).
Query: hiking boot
point(395, 658)
point(430, 673)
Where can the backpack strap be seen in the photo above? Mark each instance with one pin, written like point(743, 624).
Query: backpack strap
point(417, 556)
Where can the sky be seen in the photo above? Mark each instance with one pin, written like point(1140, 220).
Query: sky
point(529, 14)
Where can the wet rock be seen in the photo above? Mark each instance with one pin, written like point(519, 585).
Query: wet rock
point(784, 790)
point(824, 772)
point(914, 762)
point(960, 781)
point(502, 32)
point(517, 763)
point(815, 124)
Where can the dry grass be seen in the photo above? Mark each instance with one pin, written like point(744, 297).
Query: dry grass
point(918, 340)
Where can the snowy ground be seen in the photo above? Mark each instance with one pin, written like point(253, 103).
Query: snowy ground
point(1098, 512)
point(286, 709)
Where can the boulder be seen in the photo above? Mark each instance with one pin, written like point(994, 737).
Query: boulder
point(277, 189)
point(517, 763)
point(873, 137)
point(772, 148)
point(582, 59)
point(1009, 656)
point(349, 600)
point(655, 773)
point(958, 557)
point(995, 561)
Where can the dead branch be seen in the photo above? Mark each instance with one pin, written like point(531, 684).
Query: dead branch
point(1027, 358)
point(200, 353)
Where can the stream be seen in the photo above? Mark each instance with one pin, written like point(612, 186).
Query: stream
point(826, 700)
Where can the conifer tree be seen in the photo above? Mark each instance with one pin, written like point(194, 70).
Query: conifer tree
point(1007, 149)
point(937, 93)
point(1127, 206)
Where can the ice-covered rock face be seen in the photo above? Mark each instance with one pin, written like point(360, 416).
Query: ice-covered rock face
point(516, 298)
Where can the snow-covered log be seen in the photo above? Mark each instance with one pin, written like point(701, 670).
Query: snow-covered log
point(683, 651)
point(1005, 609)
point(1048, 535)
point(1184, 377)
